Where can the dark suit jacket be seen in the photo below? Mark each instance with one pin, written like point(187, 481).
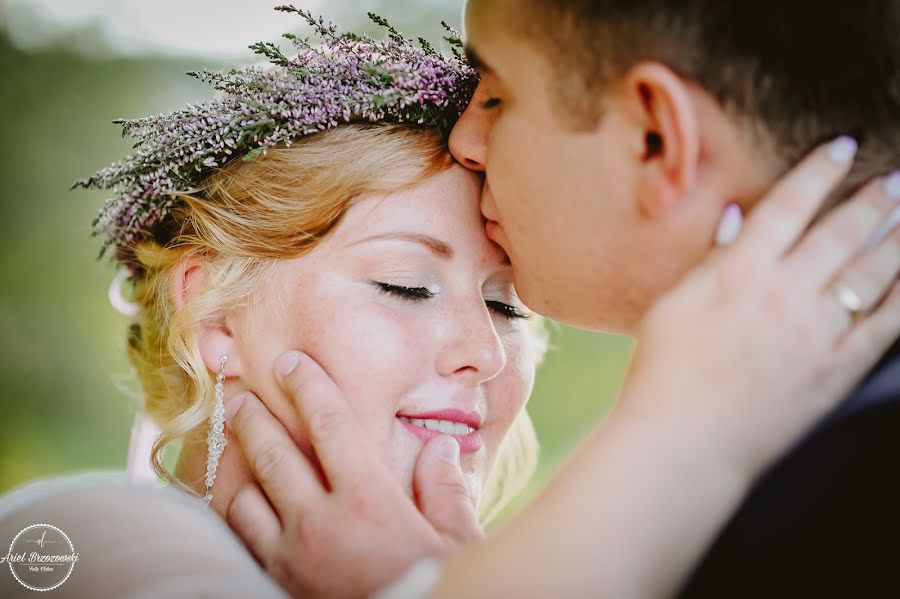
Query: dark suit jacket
point(825, 520)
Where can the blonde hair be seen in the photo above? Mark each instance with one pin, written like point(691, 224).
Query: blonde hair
point(249, 214)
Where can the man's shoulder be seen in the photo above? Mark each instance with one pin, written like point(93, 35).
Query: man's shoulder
point(863, 424)
point(817, 520)
point(881, 386)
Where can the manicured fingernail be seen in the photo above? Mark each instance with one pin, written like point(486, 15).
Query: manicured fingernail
point(730, 225)
point(286, 363)
point(842, 150)
point(449, 449)
point(892, 186)
point(232, 406)
point(886, 227)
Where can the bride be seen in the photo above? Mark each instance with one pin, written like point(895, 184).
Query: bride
point(314, 206)
point(366, 250)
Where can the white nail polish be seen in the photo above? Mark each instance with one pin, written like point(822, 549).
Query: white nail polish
point(730, 225)
point(886, 227)
point(892, 186)
point(842, 150)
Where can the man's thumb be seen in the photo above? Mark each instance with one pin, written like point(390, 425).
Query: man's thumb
point(442, 494)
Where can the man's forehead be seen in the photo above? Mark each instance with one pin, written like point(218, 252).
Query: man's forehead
point(474, 52)
point(472, 9)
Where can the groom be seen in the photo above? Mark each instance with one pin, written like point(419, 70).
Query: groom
point(613, 134)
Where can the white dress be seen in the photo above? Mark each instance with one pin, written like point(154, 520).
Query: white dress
point(133, 539)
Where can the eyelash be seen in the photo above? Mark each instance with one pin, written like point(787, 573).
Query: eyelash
point(415, 294)
point(507, 311)
point(418, 294)
point(490, 103)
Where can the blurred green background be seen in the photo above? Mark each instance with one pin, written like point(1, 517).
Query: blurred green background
point(68, 69)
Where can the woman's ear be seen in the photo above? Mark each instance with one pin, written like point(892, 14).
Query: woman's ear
point(661, 102)
point(214, 337)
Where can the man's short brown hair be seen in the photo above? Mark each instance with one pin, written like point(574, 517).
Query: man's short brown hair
point(800, 72)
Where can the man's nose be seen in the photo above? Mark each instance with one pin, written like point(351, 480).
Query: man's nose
point(468, 140)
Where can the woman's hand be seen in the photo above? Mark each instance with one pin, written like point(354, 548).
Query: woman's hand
point(755, 346)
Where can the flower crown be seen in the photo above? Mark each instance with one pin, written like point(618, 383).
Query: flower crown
point(346, 78)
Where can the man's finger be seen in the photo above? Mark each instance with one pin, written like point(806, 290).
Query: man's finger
point(442, 494)
point(277, 463)
point(341, 445)
point(252, 518)
point(787, 210)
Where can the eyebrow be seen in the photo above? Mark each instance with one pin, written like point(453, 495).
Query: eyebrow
point(476, 61)
point(437, 247)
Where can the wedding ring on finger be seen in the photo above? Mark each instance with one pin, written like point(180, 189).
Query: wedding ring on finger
point(878, 260)
point(847, 299)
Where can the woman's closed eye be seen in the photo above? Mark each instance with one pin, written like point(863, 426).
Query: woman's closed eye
point(490, 103)
point(409, 293)
point(506, 310)
point(419, 294)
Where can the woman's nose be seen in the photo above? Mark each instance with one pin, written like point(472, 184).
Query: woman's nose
point(468, 140)
point(473, 350)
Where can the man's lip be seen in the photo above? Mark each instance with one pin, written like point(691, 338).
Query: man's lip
point(486, 213)
point(491, 228)
point(472, 419)
point(487, 203)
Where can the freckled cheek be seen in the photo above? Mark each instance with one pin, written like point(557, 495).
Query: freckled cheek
point(509, 391)
point(377, 355)
point(261, 346)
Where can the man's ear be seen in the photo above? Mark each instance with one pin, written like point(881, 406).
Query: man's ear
point(214, 336)
point(661, 104)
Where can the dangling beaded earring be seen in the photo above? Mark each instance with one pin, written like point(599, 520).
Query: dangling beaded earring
point(215, 440)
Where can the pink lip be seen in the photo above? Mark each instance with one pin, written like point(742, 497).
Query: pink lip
point(467, 443)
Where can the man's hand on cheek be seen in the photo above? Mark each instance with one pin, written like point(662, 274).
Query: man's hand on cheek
point(359, 530)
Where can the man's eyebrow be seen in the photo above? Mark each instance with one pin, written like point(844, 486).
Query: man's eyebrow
point(476, 61)
point(437, 247)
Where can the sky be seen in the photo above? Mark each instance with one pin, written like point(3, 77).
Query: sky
point(205, 28)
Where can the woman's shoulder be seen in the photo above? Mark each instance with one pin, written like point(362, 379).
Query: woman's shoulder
point(108, 498)
point(60, 486)
point(37, 490)
point(133, 536)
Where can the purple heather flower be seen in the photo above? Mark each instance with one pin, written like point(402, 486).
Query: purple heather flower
point(344, 79)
